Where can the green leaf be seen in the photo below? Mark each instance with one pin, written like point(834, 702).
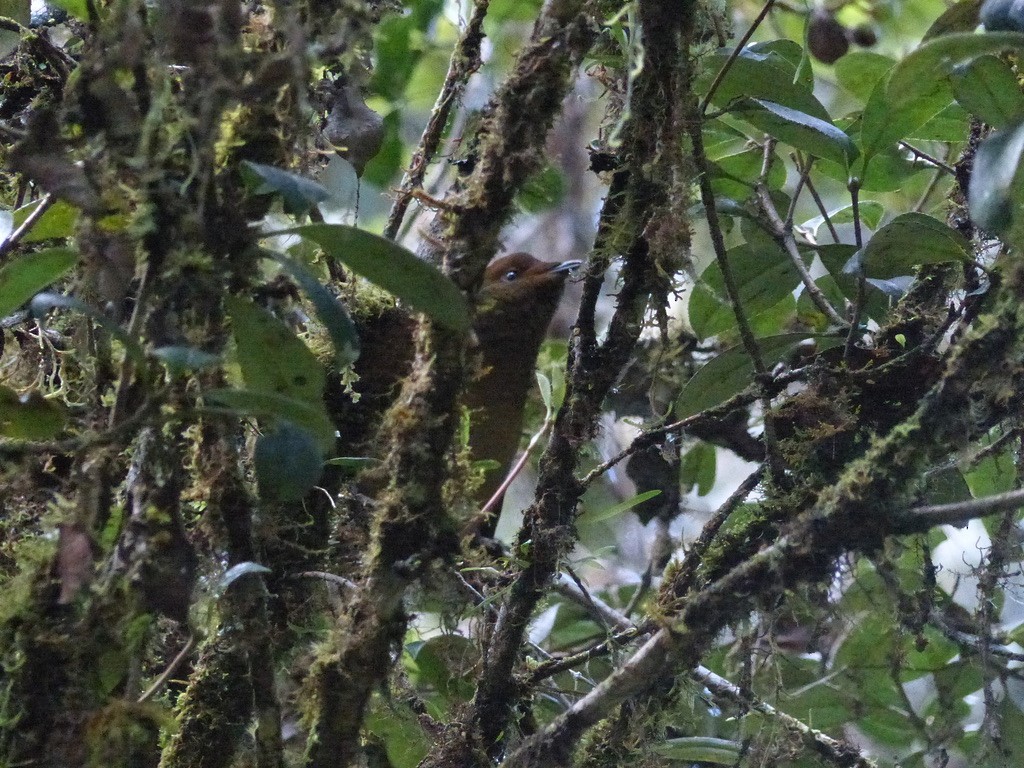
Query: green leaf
point(288, 461)
point(617, 509)
point(56, 222)
point(919, 76)
point(23, 277)
point(959, 17)
point(353, 464)
point(734, 175)
point(988, 88)
point(910, 240)
point(993, 196)
point(277, 408)
point(764, 276)
point(298, 193)
point(77, 8)
point(870, 213)
point(732, 371)
point(329, 310)
point(759, 76)
point(701, 749)
point(394, 269)
point(698, 467)
point(542, 191)
point(859, 71)
point(810, 134)
point(30, 416)
point(272, 357)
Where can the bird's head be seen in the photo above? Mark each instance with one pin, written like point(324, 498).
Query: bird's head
point(519, 296)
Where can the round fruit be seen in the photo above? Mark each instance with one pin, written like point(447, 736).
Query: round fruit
point(864, 35)
point(826, 37)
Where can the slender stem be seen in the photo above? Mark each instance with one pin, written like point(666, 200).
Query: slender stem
point(960, 511)
point(832, 749)
point(784, 233)
point(858, 307)
point(464, 62)
point(946, 167)
point(720, 76)
point(824, 211)
point(30, 221)
point(517, 467)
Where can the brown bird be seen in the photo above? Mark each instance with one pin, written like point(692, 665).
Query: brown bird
point(517, 301)
point(515, 305)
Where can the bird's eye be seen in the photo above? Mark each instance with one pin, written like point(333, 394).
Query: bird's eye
point(511, 275)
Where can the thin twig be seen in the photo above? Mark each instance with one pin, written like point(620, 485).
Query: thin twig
point(858, 305)
point(30, 221)
point(171, 669)
point(962, 511)
point(836, 751)
point(925, 156)
point(729, 280)
point(464, 62)
point(824, 211)
point(517, 467)
point(785, 234)
point(720, 76)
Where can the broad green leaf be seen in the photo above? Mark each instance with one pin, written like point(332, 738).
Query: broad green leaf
point(884, 122)
point(396, 725)
point(794, 55)
point(277, 408)
point(44, 302)
point(951, 124)
point(910, 240)
point(30, 416)
point(733, 176)
point(298, 193)
point(890, 171)
point(807, 133)
point(394, 269)
point(722, 140)
point(759, 76)
point(959, 17)
point(329, 310)
point(859, 71)
point(870, 212)
point(542, 191)
point(56, 222)
point(732, 371)
point(288, 461)
point(77, 8)
point(763, 276)
point(922, 73)
point(23, 277)
point(988, 88)
point(993, 196)
point(617, 509)
point(996, 473)
point(701, 749)
point(271, 356)
point(698, 467)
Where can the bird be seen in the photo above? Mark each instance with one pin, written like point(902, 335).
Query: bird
point(514, 307)
point(516, 303)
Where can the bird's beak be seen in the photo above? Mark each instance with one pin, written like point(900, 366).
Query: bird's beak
point(566, 266)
